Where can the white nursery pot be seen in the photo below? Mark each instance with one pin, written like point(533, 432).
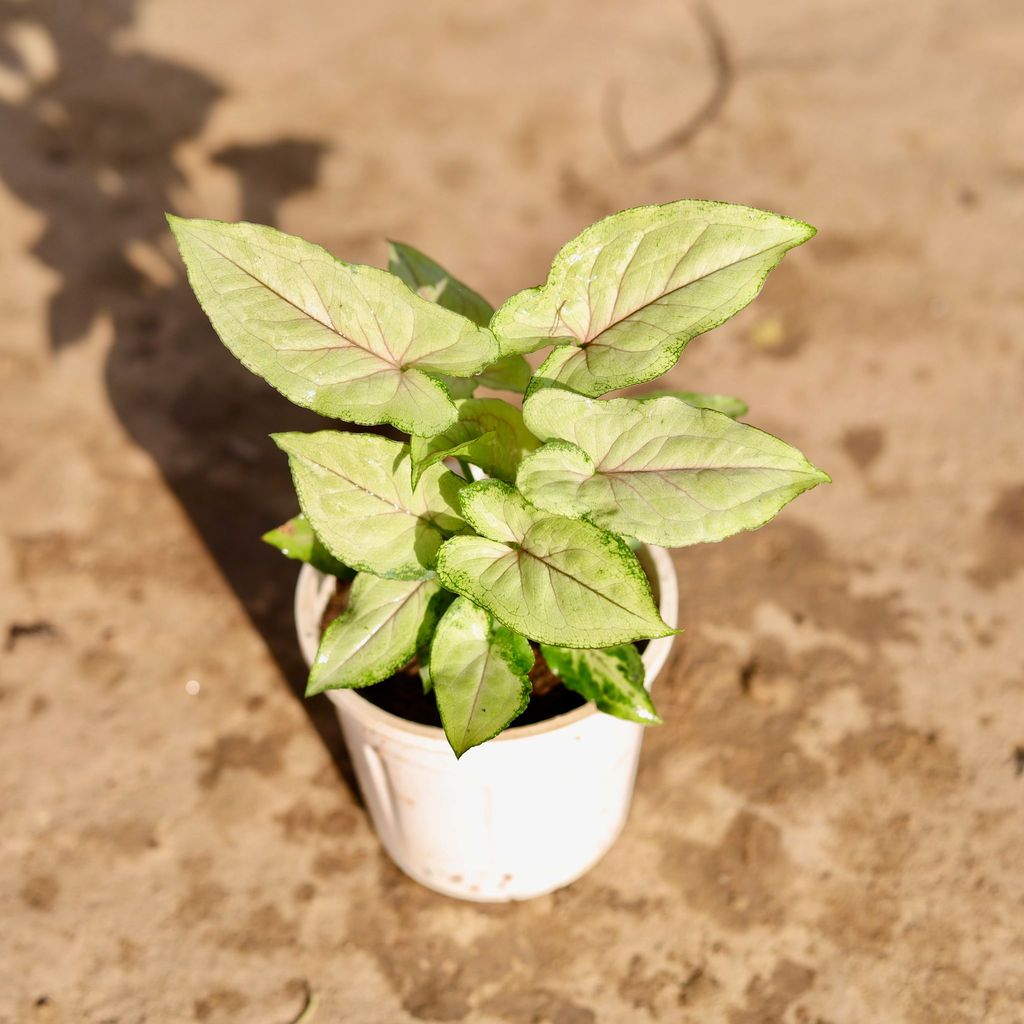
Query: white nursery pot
point(524, 813)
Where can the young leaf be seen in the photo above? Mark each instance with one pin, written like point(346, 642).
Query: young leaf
point(386, 621)
point(432, 282)
point(459, 387)
point(296, 539)
point(657, 469)
point(478, 669)
point(356, 491)
point(347, 341)
point(612, 678)
point(625, 297)
point(425, 678)
point(734, 408)
point(555, 580)
point(488, 433)
point(511, 373)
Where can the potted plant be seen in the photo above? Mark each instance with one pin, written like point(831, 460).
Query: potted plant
point(498, 553)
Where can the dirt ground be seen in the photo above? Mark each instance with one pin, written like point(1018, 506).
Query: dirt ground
point(829, 828)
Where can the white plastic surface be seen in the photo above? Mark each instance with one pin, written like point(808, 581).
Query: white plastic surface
point(519, 816)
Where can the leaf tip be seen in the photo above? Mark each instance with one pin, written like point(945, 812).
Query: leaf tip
point(178, 227)
point(804, 230)
point(283, 440)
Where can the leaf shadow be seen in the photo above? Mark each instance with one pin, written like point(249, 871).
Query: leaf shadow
point(91, 148)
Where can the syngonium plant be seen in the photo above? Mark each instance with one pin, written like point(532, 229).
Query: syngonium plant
point(463, 573)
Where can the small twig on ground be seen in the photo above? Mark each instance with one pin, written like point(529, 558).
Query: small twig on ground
point(724, 75)
point(19, 630)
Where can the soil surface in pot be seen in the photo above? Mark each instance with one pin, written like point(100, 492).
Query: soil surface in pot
point(402, 694)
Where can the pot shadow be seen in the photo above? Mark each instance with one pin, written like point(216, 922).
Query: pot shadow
point(90, 133)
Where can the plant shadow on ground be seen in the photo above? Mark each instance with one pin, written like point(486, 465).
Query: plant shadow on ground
point(90, 145)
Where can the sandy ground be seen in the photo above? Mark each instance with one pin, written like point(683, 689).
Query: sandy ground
point(829, 828)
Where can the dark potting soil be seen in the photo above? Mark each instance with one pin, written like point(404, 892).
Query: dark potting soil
point(402, 694)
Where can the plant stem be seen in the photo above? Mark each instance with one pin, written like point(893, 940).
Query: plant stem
point(467, 472)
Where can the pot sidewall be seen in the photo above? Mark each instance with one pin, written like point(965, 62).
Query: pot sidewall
point(516, 817)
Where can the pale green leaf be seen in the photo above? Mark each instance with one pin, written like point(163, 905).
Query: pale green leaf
point(431, 281)
point(345, 340)
point(385, 623)
point(489, 433)
point(296, 539)
point(613, 678)
point(734, 408)
point(479, 671)
point(625, 297)
point(555, 580)
point(356, 491)
point(657, 469)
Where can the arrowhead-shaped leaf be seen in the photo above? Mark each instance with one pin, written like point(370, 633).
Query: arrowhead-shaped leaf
point(658, 469)
point(625, 297)
point(555, 580)
point(385, 623)
point(296, 539)
point(488, 433)
point(478, 669)
point(356, 491)
point(734, 408)
point(612, 678)
point(347, 341)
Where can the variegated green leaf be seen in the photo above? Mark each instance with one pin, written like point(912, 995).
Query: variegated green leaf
point(489, 433)
point(478, 669)
point(356, 491)
point(658, 469)
point(347, 341)
point(296, 539)
point(734, 408)
point(613, 678)
point(625, 297)
point(555, 580)
point(385, 623)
